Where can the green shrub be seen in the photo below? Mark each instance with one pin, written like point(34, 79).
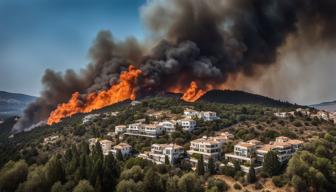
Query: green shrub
point(279, 181)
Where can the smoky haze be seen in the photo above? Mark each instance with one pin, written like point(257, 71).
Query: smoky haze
point(237, 44)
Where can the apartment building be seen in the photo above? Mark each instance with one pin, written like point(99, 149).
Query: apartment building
point(124, 148)
point(106, 146)
point(190, 113)
point(205, 115)
point(159, 152)
point(187, 124)
point(168, 126)
point(208, 115)
point(283, 146)
point(120, 129)
point(207, 146)
point(144, 130)
point(244, 152)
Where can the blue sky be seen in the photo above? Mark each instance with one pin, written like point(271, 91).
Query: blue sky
point(40, 34)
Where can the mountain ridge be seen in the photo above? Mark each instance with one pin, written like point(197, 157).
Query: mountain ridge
point(13, 104)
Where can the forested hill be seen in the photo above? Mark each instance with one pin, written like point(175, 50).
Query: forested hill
point(241, 97)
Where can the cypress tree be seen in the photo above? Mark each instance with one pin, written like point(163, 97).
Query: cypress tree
point(98, 185)
point(211, 166)
point(119, 156)
point(251, 176)
point(54, 171)
point(200, 166)
point(167, 160)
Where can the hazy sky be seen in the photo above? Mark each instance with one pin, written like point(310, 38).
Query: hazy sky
point(56, 34)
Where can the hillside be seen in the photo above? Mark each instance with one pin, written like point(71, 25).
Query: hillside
point(327, 106)
point(72, 153)
point(12, 104)
point(241, 97)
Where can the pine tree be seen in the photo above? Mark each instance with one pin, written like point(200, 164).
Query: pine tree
point(200, 166)
point(271, 163)
point(211, 166)
point(251, 176)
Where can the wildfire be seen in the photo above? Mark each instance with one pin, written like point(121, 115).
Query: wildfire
point(122, 90)
point(193, 92)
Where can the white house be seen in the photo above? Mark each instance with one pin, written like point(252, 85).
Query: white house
point(106, 146)
point(244, 152)
point(124, 148)
point(209, 147)
point(190, 113)
point(145, 130)
point(169, 126)
point(119, 129)
point(187, 124)
point(159, 152)
point(281, 114)
point(208, 115)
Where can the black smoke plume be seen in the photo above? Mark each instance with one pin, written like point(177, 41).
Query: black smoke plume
point(208, 41)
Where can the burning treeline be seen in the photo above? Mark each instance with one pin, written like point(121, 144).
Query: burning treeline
point(194, 46)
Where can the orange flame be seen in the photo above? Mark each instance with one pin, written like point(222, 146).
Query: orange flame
point(118, 92)
point(192, 93)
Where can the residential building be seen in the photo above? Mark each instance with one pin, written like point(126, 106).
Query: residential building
point(281, 114)
point(208, 115)
point(190, 113)
point(187, 124)
point(205, 115)
point(244, 152)
point(124, 148)
point(169, 126)
point(106, 146)
point(120, 129)
point(159, 152)
point(207, 146)
point(225, 135)
point(283, 146)
point(145, 130)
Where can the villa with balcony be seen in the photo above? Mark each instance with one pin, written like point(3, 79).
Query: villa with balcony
point(158, 153)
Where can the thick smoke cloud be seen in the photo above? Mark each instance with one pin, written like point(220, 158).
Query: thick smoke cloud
point(216, 42)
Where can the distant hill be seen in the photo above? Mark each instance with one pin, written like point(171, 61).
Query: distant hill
point(241, 97)
point(12, 104)
point(328, 106)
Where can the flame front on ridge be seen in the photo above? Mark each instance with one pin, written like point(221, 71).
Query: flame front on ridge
point(122, 90)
